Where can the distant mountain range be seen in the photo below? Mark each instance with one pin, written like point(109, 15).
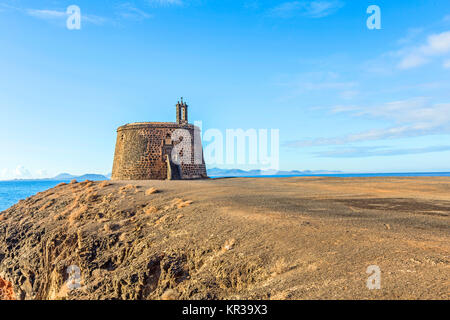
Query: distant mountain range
point(216, 172)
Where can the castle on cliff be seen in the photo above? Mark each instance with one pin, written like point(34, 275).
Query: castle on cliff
point(159, 150)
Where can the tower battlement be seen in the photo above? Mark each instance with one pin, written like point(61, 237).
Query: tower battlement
point(182, 112)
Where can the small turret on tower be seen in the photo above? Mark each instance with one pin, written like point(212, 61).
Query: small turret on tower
point(182, 112)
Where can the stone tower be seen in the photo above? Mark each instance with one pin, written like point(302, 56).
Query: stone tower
point(159, 150)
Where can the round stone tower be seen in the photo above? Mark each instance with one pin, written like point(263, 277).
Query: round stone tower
point(159, 150)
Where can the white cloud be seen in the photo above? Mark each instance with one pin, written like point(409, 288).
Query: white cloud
point(129, 11)
point(58, 16)
point(412, 61)
point(163, 3)
point(90, 18)
point(41, 173)
point(22, 173)
point(339, 85)
point(4, 174)
point(313, 81)
point(436, 45)
point(377, 151)
point(447, 64)
point(338, 109)
point(124, 10)
point(349, 94)
point(411, 118)
point(316, 83)
point(411, 35)
point(46, 14)
point(313, 9)
point(381, 65)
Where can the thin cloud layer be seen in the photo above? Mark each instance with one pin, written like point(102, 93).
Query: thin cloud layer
point(312, 9)
point(411, 118)
point(435, 46)
point(165, 3)
point(57, 15)
point(362, 152)
point(129, 11)
point(413, 53)
point(122, 11)
point(447, 64)
point(314, 82)
point(21, 172)
point(46, 14)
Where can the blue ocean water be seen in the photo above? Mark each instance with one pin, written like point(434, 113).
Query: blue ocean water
point(13, 191)
point(349, 175)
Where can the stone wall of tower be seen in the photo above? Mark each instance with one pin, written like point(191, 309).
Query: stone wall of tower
point(141, 150)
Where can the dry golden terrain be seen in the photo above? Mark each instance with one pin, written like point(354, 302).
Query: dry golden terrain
point(239, 238)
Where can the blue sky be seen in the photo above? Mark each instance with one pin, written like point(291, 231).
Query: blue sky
point(343, 97)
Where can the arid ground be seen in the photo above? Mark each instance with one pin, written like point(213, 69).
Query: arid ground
point(239, 238)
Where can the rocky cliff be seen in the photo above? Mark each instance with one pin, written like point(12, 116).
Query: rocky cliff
point(119, 238)
point(292, 238)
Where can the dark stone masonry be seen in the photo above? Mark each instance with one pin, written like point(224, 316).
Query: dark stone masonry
point(151, 150)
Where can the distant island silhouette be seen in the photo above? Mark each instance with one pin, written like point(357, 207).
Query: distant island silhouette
point(217, 172)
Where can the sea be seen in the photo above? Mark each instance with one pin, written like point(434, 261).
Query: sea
point(13, 191)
